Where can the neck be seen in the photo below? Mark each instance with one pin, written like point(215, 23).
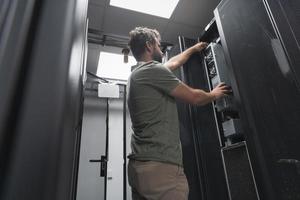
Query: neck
point(145, 58)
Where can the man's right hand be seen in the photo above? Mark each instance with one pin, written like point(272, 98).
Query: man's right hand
point(220, 91)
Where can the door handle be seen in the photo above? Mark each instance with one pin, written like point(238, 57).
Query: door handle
point(103, 165)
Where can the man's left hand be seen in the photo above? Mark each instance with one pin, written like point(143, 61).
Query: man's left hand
point(200, 46)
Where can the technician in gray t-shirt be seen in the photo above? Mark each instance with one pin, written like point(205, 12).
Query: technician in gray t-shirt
point(155, 167)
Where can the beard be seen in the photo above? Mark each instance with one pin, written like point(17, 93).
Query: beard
point(157, 56)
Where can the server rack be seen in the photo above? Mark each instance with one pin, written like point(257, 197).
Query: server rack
point(42, 60)
point(257, 127)
point(259, 38)
point(215, 130)
point(190, 155)
point(227, 116)
point(200, 135)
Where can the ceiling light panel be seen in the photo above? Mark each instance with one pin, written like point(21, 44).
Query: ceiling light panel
point(161, 8)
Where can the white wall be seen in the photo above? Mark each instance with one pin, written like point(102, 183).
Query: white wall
point(115, 164)
point(115, 150)
point(93, 138)
point(89, 140)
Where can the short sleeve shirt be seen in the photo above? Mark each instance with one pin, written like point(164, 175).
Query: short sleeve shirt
point(154, 114)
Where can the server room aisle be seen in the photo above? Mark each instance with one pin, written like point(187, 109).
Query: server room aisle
point(64, 124)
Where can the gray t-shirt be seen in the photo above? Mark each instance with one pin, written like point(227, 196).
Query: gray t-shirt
point(153, 114)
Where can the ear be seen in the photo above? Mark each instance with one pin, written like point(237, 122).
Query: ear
point(149, 46)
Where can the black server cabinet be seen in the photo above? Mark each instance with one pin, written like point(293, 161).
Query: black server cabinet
point(260, 38)
point(285, 16)
point(204, 170)
point(15, 18)
point(237, 164)
point(190, 161)
point(42, 60)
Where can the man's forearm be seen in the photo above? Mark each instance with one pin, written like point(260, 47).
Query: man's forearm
point(180, 59)
point(203, 98)
point(198, 96)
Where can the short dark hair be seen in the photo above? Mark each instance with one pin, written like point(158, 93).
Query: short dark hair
point(138, 38)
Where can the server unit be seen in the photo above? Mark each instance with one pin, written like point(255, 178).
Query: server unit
point(217, 70)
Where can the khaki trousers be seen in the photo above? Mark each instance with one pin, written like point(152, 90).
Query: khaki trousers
point(150, 180)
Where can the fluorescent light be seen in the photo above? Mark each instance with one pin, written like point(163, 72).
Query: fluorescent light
point(161, 8)
point(111, 65)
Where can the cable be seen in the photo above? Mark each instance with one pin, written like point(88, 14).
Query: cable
point(95, 76)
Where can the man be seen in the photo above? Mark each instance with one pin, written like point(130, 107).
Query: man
point(155, 165)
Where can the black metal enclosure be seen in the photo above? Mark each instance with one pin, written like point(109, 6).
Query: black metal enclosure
point(261, 44)
point(200, 135)
point(42, 60)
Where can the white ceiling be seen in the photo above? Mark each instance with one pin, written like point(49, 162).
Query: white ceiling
point(188, 19)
